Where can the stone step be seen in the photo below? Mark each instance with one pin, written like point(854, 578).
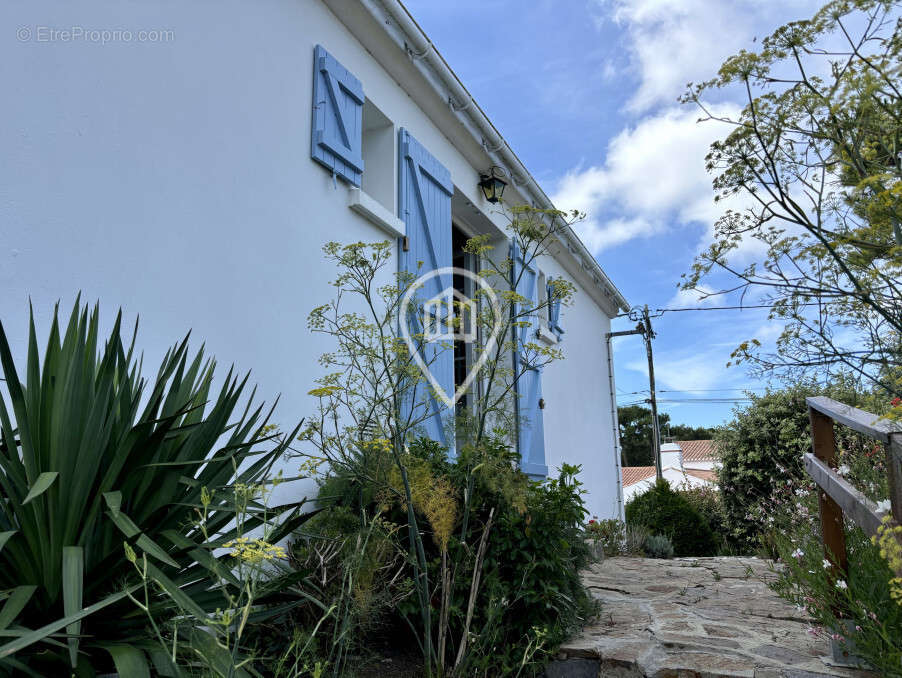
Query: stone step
point(693, 618)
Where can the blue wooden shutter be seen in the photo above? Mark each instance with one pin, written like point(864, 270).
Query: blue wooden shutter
point(554, 315)
point(424, 193)
point(337, 118)
point(528, 384)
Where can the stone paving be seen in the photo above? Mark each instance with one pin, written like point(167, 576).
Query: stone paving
point(692, 618)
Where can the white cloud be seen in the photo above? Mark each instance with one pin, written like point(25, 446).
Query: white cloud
point(673, 42)
point(653, 178)
point(597, 237)
point(699, 371)
point(769, 332)
point(702, 296)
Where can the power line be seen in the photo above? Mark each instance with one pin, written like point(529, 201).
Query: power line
point(712, 308)
point(686, 400)
point(707, 390)
point(704, 400)
point(719, 308)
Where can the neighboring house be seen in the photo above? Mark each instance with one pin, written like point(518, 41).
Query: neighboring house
point(699, 455)
point(684, 463)
point(192, 177)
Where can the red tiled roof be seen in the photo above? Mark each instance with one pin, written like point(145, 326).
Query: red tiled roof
point(634, 474)
point(710, 476)
point(698, 450)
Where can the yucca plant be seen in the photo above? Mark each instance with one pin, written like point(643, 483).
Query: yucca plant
point(90, 459)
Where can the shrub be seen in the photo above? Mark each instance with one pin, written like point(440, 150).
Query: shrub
point(529, 596)
point(707, 501)
point(532, 573)
point(761, 449)
point(634, 537)
point(864, 596)
point(605, 533)
point(858, 608)
point(616, 537)
point(93, 461)
point(658, 546)
point(358, 572)
point(665, 512)
point(374, 402)
point(195, 641)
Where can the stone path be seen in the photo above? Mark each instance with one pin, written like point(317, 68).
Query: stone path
point(692, 618)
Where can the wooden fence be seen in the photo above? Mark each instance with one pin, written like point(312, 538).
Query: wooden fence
point(837, 497)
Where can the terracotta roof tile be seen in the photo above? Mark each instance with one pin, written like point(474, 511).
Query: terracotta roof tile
point(698, 450)
point(710, 476)
point(635, 474)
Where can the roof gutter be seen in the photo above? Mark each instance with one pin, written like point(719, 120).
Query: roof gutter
point(420, 49)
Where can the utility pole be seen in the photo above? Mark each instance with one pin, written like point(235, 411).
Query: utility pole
point(644, 328)
point(655, 432)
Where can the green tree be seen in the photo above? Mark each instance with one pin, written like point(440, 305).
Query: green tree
point(635, 434)
point(686, 432)
point(816, 152)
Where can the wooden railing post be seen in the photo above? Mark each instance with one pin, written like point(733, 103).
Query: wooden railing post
point(823, 443)
point(894, 471)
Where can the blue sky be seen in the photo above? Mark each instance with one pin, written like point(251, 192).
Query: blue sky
point(585, 92)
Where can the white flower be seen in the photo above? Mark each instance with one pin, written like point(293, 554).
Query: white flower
point(843, 470)
point(841, 584)
point(798, 553)
point(883, 506)
point(826, 563)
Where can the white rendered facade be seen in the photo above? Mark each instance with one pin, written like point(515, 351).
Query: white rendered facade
point(174, 179)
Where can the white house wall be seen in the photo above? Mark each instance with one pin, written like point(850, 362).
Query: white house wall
point(707, 465)
point(676, 478)
point(577, 415)
point(173, 179)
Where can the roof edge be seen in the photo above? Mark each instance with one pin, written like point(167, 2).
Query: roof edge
point(448, 86)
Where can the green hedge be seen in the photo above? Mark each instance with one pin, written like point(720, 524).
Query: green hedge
point(664, 511)
point(761, 451)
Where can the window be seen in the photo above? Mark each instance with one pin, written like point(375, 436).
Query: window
point(378, 180)
point(541, 301)
point(463, 352)
point(546, 313)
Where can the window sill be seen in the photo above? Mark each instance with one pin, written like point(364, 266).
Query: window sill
point(373, 211)
point(535, 471)
point(547, 335)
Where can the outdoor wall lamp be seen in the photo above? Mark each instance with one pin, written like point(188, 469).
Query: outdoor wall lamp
point(492, 183)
